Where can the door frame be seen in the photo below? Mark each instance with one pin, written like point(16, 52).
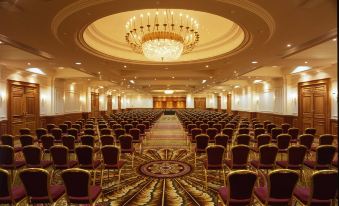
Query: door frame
point(325, 81)
point(10, 84)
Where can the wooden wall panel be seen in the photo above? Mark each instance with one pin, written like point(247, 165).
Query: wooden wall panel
point(334, 126)
point(3, 127)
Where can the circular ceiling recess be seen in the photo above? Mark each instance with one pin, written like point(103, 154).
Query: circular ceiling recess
point(218, 37)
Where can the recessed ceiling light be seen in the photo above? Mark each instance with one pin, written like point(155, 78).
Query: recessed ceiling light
point(204, 81)
point(166, 68)
point(211, 77)
point(254, 62)
point(28, 63)
point(335, 39)
point(257, 81)
point(35, 70)
point(236, 86)
point(99, 72)
point(207, 66)
point(1, 42)
point(173, 77)
point(135, 77)
point(78, 63)
point(125, 66)
point(132, 81)
point(300, 69)
point(306, 62)
point(101, 87)
point(289, 45)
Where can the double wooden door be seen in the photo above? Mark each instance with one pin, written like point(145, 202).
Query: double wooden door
point(95, 105)
point(23, 106)
point(314, 105)
point(200, 103)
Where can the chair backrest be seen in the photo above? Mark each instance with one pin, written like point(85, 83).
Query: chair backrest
point(105, 131)
point(84, 154)
point(269, 127)
point(324, 185)
point(56, 133)
point(32, 155)
point(36, 182)
point(47, 141)
point(311, 131)
point(202, 141)
point(69, 124)
point(118, 132)
point(63, 128)
point(246, 179)
point(26, 139)
point(87, 140)
point(126, 141)
point(39, 132)
point(110, 154)
point(218, 127)
point(285, 127)
point(142, 128)
point(243, 131)
point(296, 154)
point(5, 189)
point(6, 155)
point(107, 140)
point(283, 141)
point(294, 132)
point(77, 182)
point(229, 132)
point(204, 127)
point(281, 183)
point(77, 127)
point(102, 125)
point(258, 131)
point(73, 132)
point(7, 139)
point(24, 131)
point(212, 132)
point(306, 140)
point(268, 154)
point(263, 139)
point(240, 154)
point(275, 132)
point(135, 133)
point(89, 132)
point(215, 155)
point(326, 139)
point(59, 154)
point(243, 139)
point(325, 154)
point(190, 127)
point(128, 127)
point(221, 139)
point(89, 126)
point(68, 141)
point(50, 127)
point(230, 125)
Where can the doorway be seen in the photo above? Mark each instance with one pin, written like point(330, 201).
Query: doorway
point(199, 102)
point(314, 105)
point(23, 106)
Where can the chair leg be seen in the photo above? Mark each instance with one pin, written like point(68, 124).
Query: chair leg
point(223, 173)
point(94, 174)
point(132, 159)
point(102, 176)
point(195, 159)
point(206, 179)
point(119, 176)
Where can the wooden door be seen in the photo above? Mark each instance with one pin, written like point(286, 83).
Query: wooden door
point(109, 104)
point(95, 104)
point(23, 106)
point(219, 103)
point(200, 103)
point(314, 108)
point(229, 103)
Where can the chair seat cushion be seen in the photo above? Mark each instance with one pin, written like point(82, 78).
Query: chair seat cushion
point(198, 150)
point(17, 149)
point(235, 166)
point(262, 194)
point(56, 192)
point(119, 165)
point(18, 193)
point(95, 164)
point(223, 193)
point(256, 164)
point(94, 192)
point(71, 163)
point(16, 164)
point(212, 166)
point(285, 165)
point(43, 164)
point(303, 194)
point(313, 165)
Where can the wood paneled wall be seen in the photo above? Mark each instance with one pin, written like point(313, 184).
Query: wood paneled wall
point(200, 102)
point(169, 102)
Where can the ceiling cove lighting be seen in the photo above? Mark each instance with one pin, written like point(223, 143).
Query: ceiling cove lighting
point(300, 69)
point(257, 81)
point(35, 70)
point(162, 35)
point(168, 91)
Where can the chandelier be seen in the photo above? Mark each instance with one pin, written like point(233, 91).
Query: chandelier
point(162, 35)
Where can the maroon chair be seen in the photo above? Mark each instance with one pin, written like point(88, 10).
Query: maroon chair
point(126, 146)
point(57, 134)
point(189, 128)
point(218, 127)
point(244, 131)
point(258, 125)
point(63, 128)
point(85, 157)
point(325, 139)
point(257, 132)
point(201, 145)
point(50, 127)
point(77, 127)
point(294, 132)
point(89, 126)
point(204, 127)
point(274, 133)
point(223, 123)
point(229, 132)
point(212, 132)
point(111, 161)
point(285, 127)
point(283, 142)
point(135, 133)
point(243, 139)
point(266, 122)
point(89, 132)
point(47, 142)
point(232, 194)
point(25, 131)
point(194, 133)
point(33, 157)
point(8, 162)
point(210, 124)
point(69, 142)
point(230, 125)
point(215, 156)
point(269, 127)
point(239, 157)
point(134, 123)
point(262, 139)
point(78, 187)
point(323, 190)
point(324, 157)
point(128, 127)
point(40, 132)
point(7, 139)
point(8, 194)
point(222, 139)
point(279, 188)
point(118, 132)
point(142, 129)
point(38, 188)
point(102, 125)
point(311, 131)
point(147, 125)
point(89, 140)
point(60, 159)
point(74, 132)
point(107, 140)
point(267, 158)
point(306, 140)
point(295, 159)
point(26, 140)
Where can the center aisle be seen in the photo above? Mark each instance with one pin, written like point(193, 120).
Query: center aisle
point(167, 132)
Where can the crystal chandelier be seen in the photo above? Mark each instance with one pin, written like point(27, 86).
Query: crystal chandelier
point(162, 35)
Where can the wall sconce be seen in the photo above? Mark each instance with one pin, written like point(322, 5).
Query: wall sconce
point(2, 96)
